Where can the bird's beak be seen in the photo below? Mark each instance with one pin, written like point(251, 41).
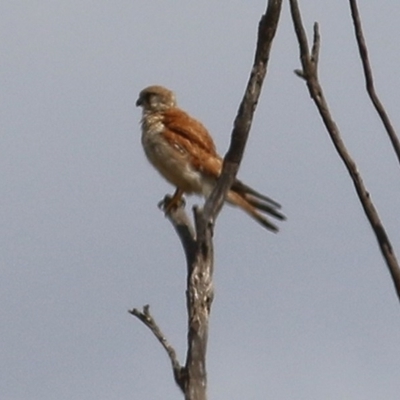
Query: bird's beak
point(139, 102)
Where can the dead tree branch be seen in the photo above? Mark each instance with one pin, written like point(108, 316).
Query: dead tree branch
point(309, 73)
point(197, 243)
point(369, 80)
point(200, 285)
point(266, 32)
point(149, 321)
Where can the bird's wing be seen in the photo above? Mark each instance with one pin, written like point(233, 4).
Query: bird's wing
point(190, 137)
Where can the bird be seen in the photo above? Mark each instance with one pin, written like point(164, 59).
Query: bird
point(181, 149)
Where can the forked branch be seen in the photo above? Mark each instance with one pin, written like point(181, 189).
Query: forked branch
point(309, 73)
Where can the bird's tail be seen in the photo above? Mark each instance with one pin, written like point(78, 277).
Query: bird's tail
point(255, 204)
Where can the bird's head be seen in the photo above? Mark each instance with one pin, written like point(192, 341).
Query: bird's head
point(156, 98)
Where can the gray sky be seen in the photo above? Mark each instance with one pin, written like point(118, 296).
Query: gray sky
point(309, 313)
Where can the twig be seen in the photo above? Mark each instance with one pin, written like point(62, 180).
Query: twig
point(148, 320)
point(309, 73)
point(369, 80)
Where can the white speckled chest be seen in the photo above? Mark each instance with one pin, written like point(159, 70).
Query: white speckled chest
point(172, 162)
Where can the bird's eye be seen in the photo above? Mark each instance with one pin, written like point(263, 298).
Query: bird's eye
point(150, 97)
point(145, 97)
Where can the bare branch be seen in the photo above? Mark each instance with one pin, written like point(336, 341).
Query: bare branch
point(266, 32)
point(199, 297)
point(200, 291)
point(310, 75)
point(369, 80)
point(148, 320)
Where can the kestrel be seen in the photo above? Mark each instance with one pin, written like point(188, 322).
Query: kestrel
point(183, 152)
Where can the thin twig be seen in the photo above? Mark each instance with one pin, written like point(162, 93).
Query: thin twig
point(316, 47)
point(369, 80)
point(310, 75)
point(148, 320)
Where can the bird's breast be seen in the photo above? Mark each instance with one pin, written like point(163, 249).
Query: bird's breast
point(170, 160)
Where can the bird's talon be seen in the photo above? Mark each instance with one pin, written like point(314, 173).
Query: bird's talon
point(162, 203)
point(169, 204)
